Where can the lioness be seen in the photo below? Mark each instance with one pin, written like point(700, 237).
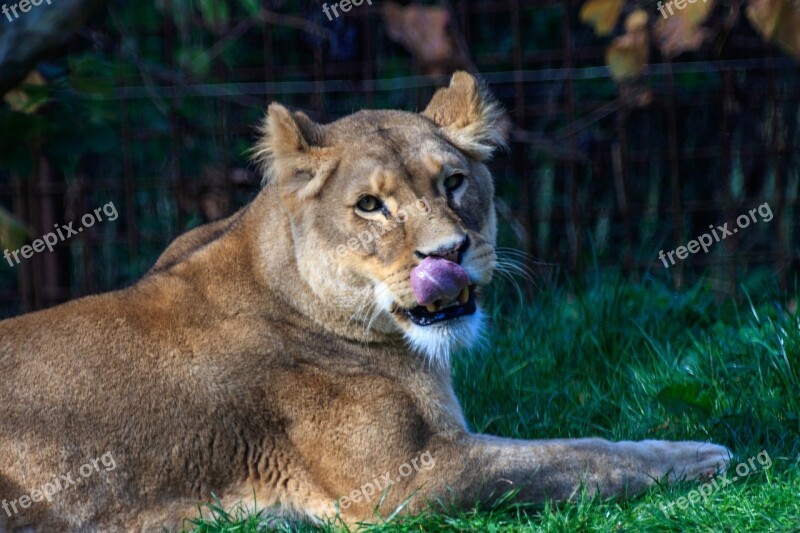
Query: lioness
point(278, 361)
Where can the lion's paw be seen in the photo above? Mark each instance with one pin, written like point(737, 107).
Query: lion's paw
point(674, 461)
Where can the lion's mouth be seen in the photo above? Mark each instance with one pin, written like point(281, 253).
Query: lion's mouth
point(463, 305)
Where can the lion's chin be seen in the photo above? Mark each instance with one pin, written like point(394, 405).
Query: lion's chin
point(461, 307)
point(438, 340)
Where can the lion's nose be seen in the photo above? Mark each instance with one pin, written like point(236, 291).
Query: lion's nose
point(452, 251)
point(436, 280)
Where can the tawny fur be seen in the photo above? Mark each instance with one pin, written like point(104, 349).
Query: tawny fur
point(256, 363)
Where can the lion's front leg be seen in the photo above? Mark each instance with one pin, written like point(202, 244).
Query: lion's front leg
point(479, 467)
point(556, 469)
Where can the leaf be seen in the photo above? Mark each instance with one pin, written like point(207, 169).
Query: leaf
point(92, 75)
point(13, 233)
point(602, 14)
point(195, 60)
point(25, 98)
point(628, 54)
point(253, 7)
point(778, 21)
point(215, 13)
point(682, 398)
point(681, 31)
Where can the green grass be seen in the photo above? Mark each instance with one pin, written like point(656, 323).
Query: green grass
point(626, 360)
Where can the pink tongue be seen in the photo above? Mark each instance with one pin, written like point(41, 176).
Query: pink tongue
point(437, 279)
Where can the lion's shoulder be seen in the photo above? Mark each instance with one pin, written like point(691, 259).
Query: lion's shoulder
point(193, 240)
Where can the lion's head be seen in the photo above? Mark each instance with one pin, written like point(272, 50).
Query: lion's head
point(392, 212)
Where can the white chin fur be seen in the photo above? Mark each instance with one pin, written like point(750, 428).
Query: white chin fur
point(438, 341)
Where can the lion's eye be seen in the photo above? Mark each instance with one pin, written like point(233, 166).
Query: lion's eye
point(369, 204)
point(451, 183)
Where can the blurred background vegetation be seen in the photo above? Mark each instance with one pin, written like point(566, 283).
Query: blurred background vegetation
point(632, 132)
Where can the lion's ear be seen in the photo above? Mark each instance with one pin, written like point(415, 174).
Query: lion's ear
point(290, 152)
point(469, 116)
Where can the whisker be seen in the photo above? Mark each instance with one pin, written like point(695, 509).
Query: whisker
point(376, 310)
point(513, 281)
point(524, 255)
point(516, 268)
point(362, 305)
point(517, 262)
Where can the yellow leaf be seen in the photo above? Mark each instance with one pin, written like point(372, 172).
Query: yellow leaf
point(12, 232)
point(764, 15)
point(19, 100)
point(602, 14)
point(778, 21)
point(636, 21)
point(680, 31)
point(628, 54)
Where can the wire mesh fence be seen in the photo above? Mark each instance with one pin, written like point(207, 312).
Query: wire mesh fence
point(156, 118)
